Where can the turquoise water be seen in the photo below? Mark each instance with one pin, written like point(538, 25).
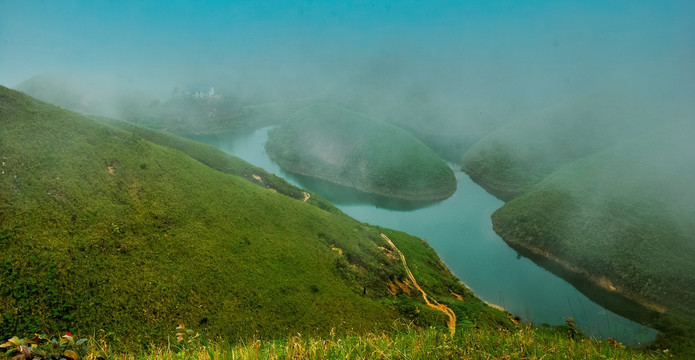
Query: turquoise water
point(460, 230)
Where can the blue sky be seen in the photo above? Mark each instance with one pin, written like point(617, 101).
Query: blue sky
point(170, 41)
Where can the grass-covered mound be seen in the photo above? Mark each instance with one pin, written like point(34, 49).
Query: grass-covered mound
point(344, 147)
point(623, 219)
point(104, 231)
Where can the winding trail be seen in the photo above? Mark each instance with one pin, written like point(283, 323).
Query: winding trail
point(451, 322)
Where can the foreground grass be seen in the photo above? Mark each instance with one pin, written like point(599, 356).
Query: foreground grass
point(526, 343)
point(407, 342)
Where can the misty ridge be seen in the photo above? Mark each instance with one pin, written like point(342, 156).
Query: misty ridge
point(450, 112)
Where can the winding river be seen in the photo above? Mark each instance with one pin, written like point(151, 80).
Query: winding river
point(460, 230)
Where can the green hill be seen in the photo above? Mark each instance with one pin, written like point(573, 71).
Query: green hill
point(344, 147)
point(622, 219)
point(113, 229)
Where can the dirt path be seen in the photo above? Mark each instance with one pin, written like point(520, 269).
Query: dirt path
point(306, 195)
point(451, 322)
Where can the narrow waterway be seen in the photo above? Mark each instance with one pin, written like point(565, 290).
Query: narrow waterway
point(460, 230)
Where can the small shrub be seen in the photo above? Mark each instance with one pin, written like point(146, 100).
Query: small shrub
point(39, 347)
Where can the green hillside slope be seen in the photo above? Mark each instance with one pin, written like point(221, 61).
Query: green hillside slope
point(221, 161)
point(344, 147)
point(622, 219)
point(104, 230)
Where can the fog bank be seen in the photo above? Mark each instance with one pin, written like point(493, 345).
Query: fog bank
point(465, 65)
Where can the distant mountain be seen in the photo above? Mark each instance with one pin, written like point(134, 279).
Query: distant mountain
point(108, 227)
point(332, 143)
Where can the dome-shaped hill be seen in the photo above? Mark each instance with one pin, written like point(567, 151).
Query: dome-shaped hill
point(344, 147)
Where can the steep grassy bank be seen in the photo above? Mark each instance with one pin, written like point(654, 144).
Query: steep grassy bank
point(623, 220)
point(103, 229)
point(335, 144)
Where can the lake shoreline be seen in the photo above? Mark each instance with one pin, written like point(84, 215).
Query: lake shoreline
point(598, 288)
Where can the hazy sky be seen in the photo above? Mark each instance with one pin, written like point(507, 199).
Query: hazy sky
point(537, 46)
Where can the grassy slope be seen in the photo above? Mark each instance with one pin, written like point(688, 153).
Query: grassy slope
point(221, 161)
point(620, 215)
point(344, 147)
point(103, 229)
